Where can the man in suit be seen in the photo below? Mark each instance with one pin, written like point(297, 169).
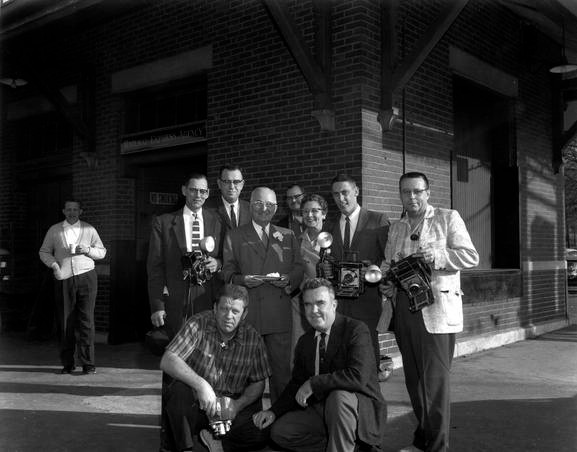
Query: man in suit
point(173, 235)
point(294, 219)
point(364, 233)
point(232, 211)
point(333, 401)
point(255, 250)
point(426, 338)
point(173, 299)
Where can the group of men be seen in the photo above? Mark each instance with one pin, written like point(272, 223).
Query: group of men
point(232, 333)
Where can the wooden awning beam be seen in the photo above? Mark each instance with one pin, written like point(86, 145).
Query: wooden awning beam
point(53, 95)
point(428, 41)
point(316, 73)
point(311, 70)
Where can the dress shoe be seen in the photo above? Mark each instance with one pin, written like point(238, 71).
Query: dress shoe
point(87, 369)
point(67, 370)
point(213, 445)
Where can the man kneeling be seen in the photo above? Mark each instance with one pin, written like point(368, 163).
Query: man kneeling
point(217, 361)
point(333, 401)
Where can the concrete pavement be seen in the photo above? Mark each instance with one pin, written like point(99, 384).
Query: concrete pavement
point(519, 397)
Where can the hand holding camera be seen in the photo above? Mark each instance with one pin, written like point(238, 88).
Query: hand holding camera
point(197, 264)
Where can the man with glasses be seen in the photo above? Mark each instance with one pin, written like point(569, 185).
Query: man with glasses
point(266, 260)
point(426, 338)
point(173, 299)
point(172, 236)
point(294, 219)
point(233, 211)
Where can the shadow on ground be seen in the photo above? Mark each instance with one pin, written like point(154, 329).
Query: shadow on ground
point(73, 431)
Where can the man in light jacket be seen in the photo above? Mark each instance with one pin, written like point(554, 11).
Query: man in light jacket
point(70, 249)
point(426, 338)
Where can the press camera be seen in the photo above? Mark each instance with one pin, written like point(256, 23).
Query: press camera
point(221, 422)
point(194, 263)
point(413, 276)
point(346, 274)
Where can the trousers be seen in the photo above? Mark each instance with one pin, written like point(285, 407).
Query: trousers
point(427, 362)
point(75, 314)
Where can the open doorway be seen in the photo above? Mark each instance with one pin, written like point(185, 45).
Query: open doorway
point(158, 191)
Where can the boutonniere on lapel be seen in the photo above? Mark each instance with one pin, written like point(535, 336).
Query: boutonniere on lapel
point(277, 235)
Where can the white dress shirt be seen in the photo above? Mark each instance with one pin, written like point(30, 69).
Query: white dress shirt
point(187, 215)
point(354, 220)
point(258, 228)
point(235, 205)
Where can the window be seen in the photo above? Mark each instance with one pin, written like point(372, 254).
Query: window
point(166, 108)
point(43, 136)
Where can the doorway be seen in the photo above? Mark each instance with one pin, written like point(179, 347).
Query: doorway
point(158, 191)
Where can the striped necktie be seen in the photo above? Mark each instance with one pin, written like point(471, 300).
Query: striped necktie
point(195, 237)
point(264, 238)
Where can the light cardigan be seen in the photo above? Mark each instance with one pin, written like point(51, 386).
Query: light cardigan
point(55, 249)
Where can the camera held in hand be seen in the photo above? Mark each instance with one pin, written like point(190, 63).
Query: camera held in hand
point(194, 263)
point(346, 275)
point(413, 276)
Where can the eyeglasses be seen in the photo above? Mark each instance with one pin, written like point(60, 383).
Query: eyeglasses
point(295, 197)
point(313, 211)
point(263, 205)
point(234, 182)
point(199, 191)
point(416, 192)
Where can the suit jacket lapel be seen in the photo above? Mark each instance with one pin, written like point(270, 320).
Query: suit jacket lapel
point(363, 219)
point(243, 213)
point(251, 237)
point(224, 214)
point(334, 338)
point(178, 227)
point(337, 238)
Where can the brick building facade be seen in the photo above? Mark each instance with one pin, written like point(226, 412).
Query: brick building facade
point(126, 73)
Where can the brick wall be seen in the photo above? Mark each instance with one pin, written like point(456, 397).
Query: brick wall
point(260, 116)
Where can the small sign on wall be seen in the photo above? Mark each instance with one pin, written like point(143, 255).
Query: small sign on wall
point(163, 199)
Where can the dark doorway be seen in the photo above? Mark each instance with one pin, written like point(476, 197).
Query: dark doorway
point(45, 203)
point(485, 181)
point(157, 191)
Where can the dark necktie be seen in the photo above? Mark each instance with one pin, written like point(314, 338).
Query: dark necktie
point(264, 238)
point(195, 237)
point(322, 354)
point(347, 240)
point(233, 217)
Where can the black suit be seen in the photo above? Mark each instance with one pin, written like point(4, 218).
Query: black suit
point(369, 242)
point(167, 245)
point(217, 206)
point(350, 368)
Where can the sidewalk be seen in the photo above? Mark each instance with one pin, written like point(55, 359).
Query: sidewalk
point(520, 397)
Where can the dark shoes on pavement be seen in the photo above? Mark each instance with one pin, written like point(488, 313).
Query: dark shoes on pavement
point(87, 369)
point(67, 370)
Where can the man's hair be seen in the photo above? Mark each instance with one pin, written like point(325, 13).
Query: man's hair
point(72, 200)
point(342, 177)
point(194, 175)
point(229, 167)
point(294, 185)
point(233, 292)
point(316, 283)
point(317, 198)
point(414, 175)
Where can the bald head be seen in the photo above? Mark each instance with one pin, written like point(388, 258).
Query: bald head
point(262, 205)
